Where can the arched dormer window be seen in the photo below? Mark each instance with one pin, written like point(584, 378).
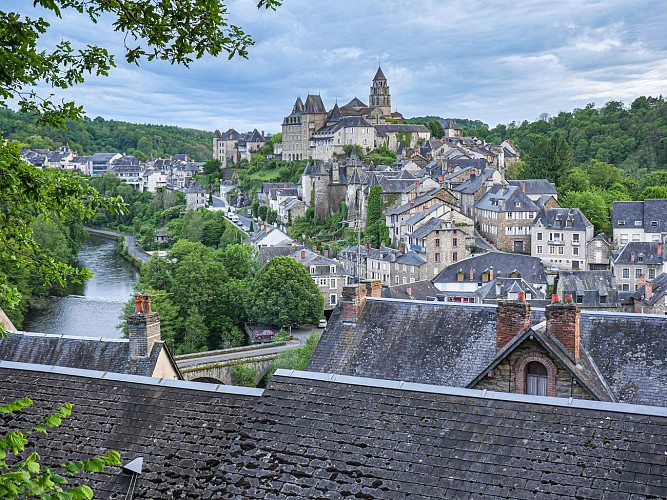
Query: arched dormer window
point(515, 274)
point(536, 379)
point(535, 373)
point(460, 276)
point(485, 276)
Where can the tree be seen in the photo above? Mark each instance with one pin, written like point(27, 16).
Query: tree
point(550, 159)
point(193, 226)
point(594, 206)
point(153, 30)
point(26, 477)
point(284, 293)
point(376, 228)
point(212, 167)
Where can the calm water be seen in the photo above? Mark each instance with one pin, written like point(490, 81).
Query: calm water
point(92, 309)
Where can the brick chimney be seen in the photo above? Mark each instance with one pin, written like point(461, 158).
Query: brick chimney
point(143, 327)
point(491, 273)
point(632, 257)
point(373, 288)
point(354, 298)
point(659, 250)
point(441, 178)
point(648, 289)
point(523, 186)
point(563, 323)
point(303, 254)
point(512, 316)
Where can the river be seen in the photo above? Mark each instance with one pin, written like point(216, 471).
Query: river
point(94, 308)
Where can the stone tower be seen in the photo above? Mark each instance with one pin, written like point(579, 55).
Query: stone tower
point(380, 96)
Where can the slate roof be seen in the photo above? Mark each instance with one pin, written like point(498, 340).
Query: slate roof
point(265, 254)
point(534, 186)
point(627, 213)
point(499, 288)
point(195, 187)
point(419, 290)
point(648, 251)
point(451, 344)
point(566, 219)
point(365, 438)
point(355, 103)
point(475, 183)
point(181, 432)
point(314, 104)
point(433, 224)
point(659, 290)
point(92, 353)
point(502, 198)
point(379, 75)
point(590, 285)
point(503, 264)
point(388, 128)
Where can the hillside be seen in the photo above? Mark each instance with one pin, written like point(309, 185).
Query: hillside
point(100, 135)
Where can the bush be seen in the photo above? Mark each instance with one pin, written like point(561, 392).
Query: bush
point(245, 375)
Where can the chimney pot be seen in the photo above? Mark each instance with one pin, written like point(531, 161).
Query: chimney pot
point(659, 250)
point(632, 257)
point(568, 298)
point(303, 254)
point(555, 298)
point(354, 298)
point(143, 327)
point(138, 303)
point(523, 186)
point(491, 273)
point(382, 244)
point(521, 296)
point(409, 290)
point(147, 303)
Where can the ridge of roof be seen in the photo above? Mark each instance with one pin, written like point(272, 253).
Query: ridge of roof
point(135, 379)
point(474, 393)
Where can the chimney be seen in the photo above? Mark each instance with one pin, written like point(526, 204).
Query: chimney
point(426, 210)
point(367, 246)
point(354, 298)
point(512, 316)
point(417, 184)
point(382, 245)
point(268, 229)
point(491, 273)
point(143, 327)
point(563, 323)
point(326, 253)
point(648, 289)
point(632, 257)
point(472, 274)
point(373, 288)
point(523, 186)
point(441, 178)
point(303, 254)
point(659, 249)
point(409, 290)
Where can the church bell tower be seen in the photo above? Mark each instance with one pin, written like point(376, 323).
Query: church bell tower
point(379, 96)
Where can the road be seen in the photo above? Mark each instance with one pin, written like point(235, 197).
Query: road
point(482, 243)
point(220, 204)
point(292, 344)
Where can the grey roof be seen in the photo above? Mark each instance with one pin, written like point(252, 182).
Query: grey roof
point(181, 432)
point(659, 290)
point(388, 128)
point(334, 115)
point(312, 435)
point(411, 259)
point(643, 252)
point(534, 186)
point(503, 264)
point(355, 103)
point(383, 253)
point(506, 199)
point(102, 354)
point(499, 288)
point(379, 75)
point(416, 202)
point(195, 187)
point(571, 219)
point(589, 285)
point(650, 214)
point(451, 344)
point(419, 290)
point(475, 182)
point(265, 254)
point(434, 224)
point(314, 104)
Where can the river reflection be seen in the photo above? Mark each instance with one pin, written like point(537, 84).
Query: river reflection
point(92, 309)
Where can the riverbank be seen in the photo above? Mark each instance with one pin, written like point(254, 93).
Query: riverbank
point(131, 252)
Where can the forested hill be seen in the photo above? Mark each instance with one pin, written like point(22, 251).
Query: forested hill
point(100, 135)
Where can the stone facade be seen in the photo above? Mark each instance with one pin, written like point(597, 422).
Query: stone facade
point(379, 96)
point(440, 243)
point(598, 253)
point(300, 125)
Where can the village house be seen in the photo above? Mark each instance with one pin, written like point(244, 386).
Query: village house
point(409, 268)
point(379, 263)
point(268, 236)
point(224, 146)
point(470, 191)
point(195, 196)
point(354, 262)
point(652, 297)
point(328, 274)
point(559, 238)
point(536, 189)
point(638, 262)
point(505, 216)
point(639, 221)
point(461, 281)
point(590, 289)
point(598, 253)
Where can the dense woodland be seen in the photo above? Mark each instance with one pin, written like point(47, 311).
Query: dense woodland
point(100, 135)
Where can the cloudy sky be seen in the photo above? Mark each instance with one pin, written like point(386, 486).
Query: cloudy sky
point(493, 60)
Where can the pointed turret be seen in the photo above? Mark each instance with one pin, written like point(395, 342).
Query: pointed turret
point(379, 75)
point(334, 114)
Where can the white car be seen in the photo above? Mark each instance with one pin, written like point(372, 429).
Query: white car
point(322, 323)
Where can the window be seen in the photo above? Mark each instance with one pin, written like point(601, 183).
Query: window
point(455, 242)
point(437, 243)
point(575, 251)
point(651, 274)
point(485, 276)
point(654, 223)
point(539, 249)
point(332, 269)
point(580, 299)
point(539, 236)
point(455, 256)
point(510, 215)
point(626, 287)
point(536, 379)
point(460, 276)
point(635, 237)
point(561, 250)
point(552, 250)
point(640, 258)
point(312, 269)
point(332, 299)
point(333, 283)
point(603, 299)
point(638, 223)
point(638, 273)
point(437, 257)
point(624, 239)
point(626, 273)
point(621, 223)
point(575, 239)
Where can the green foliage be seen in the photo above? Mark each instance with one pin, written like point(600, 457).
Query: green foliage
point(26, 477)
point(148, 29)
point(593, 204)
point(436, 129)
point(295, 359)
point(376, 229)
point(283, 293)
point(212, 167)
point(193, 226)
point(244, 375)
point(550, 159)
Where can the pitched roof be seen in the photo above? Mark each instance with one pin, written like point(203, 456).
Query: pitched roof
point(571, 219)
point(503, 198)
point(534, 186)
point(659, 290)
point(91, 353)
point(589, 285)
point(379, 75)
point(355, 103)
point(650, 214)
point(451, 344)
point(181, 429)
point(195, 187)
point(418, 290)
point(641, 252)
point(503, 264)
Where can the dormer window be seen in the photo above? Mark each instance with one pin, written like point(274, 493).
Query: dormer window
point(517, 203)
point(312, 269)
point(654, 223)
point(515, 274)
point(485, 276)
point(638, 223)
point(460, 276)
point(621, 223)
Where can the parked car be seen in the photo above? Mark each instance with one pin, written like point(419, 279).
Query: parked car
point(265, 336)
point(322, 323)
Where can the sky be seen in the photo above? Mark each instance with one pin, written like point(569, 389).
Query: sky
point(492, 60)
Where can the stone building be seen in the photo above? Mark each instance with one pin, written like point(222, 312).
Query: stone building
point(639, 221)
point(224, 147)
point(328, 274)
point(300, 125)
point(505, 216)
point(195, 196)
point(409, 268)
point(379, 96)
point(590, 289)
point(638, 262)
point(652, 297)
point(559, 238)
point(598, 252)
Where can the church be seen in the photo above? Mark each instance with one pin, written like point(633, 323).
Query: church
point(309, 131)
